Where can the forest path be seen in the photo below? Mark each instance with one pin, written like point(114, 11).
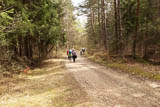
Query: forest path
point(107, 88)
point(62, 83)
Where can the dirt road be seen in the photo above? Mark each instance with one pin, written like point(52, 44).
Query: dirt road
point(80, 84)
point(108, 88)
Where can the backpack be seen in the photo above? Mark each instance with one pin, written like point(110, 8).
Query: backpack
point(70, 51)
point(74, 53)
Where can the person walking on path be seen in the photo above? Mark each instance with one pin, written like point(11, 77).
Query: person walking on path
point(69, 53)
point(74, 55)
point(83, 50)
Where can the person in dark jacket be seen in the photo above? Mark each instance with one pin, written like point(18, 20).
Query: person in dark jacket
point(74, 55)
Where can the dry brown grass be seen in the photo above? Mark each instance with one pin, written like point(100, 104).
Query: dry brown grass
point(49, 85)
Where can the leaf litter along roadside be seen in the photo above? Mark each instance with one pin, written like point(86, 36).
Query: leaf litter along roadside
point(142, 70)
point(48, 85)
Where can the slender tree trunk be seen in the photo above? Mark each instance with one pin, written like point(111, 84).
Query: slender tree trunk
point(119, 27)
point(159, 7)
point(145, 51)
point(20, 45)
point(92, 23)
point(26, 46)
point(103, 23)
point(119, 18)
point(136, 33)
point(15, 50)
point(39, 48)
point(30, 47)
point(100, 22)
point(56, 50)
point(116, 25)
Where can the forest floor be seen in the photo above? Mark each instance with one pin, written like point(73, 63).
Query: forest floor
point(62, 83)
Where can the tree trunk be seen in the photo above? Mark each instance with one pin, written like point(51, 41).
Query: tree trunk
point(99, 21)
point(119, 27)
point(159, 7)
point(103, 23)
point(26, 50)
point(20, 45)
point(30, 47)
point(92, 23)
point(145, 54)
point(136, 33)
point(116, 25)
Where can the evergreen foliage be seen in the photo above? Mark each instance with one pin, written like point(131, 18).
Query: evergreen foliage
point(31, 27)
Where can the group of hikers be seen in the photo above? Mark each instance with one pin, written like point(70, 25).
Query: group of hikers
point(72, 54)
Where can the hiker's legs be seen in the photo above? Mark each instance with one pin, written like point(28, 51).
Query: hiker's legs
point(81, 53)
point(69, 57)
point(74, 58)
